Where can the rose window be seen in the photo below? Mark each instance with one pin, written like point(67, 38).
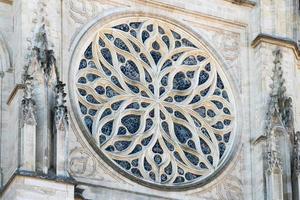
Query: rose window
point(155, 102)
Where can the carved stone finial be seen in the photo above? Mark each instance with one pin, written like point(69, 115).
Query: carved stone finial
point(61, 111)
point(296, 163)
point(28, 104)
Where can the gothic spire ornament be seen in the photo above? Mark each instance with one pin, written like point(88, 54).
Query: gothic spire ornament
point(28, 104)
point(61, 111)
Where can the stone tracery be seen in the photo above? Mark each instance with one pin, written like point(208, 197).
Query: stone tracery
point(155, 101)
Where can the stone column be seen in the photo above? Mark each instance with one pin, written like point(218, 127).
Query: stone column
point(28, 130)
point(296, 168)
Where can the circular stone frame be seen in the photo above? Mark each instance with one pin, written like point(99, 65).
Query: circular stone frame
point(80, 44)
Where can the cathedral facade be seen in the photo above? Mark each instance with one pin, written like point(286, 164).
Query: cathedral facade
point(150, 99)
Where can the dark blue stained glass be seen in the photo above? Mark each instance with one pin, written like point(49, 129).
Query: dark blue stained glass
point(187, 43)
point(196, 99)
point(124, 164)
point(149, 123)
point(92, 77)
point(101, 42)
point(157, 148)
point(116, 105)
point(152, 176)
point(136, 48)
point(227, 122)
point(161, 90)
point(145, 35)
point(130, 70)
point(122, 27)
point(176, 56)
point(91, 64)
point(227, 137)
point(203, 77)
point(180, 171)
point(144, 104)
point(155, 45)
point(110, 148)
point(163, 177)
point(166, 64)
point(89, 123)
point(121, 58)
point(134, 105)
point(226, 111)
point(121, 44)
point(121, 131)
point(189, 176)
point(131, 122)
point(181, 82)
point(191, 60)
point(100, 90)
point(207, 67)
point(218, 125)
point(88, 54)
point(82, 80)
point(219, 82)
point(164, 80)
point(218, 104)
point(136, 172)
point(106, 71)
point(110, 92)
point(107, 128)
point(202, 165)
point(157, 159)
point(151, 113)
point(165, 127)
point(83, 64)
point(177, 156)
point(102, 139)
point(192, 158)
point(205, 132)
point(150, 27)
point(147, 165)
point(151, 88)
point(217, 92)
point(162, 115)
point(169, 145)
point(107, 55)
point(147, 76)
point(134, 25)
point(179, 98)
point(190, 74)
point(92, 112)
point(146, 141)
point(144, 94)
point(222, 148)
point(204, 92)
point(225, 95)
point(200, 58)
point(168, 170)
point(219, 137)
point(176, 35)
point(133, 33)
point(179, 115)
point(122, 145)
point(135, 162)
point(169, 99)
point(166, 40)
point(211, 113)
point(205, 148)
point(106, 112)
point(170, 110)
point(83, 109)
point(191, 144)
point(179, 179)
point(177, 44)
point(182, 133)
point(161, 30)
point(91, 99)
point(201, 111)
point(145, 59)
point(197, 123)
point(109, 36)
point(156, 56)
point(82, 92)
point(116, 81)
point(133, 88)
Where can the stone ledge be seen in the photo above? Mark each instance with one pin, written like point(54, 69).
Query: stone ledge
point(283, 42)
point(247, 3)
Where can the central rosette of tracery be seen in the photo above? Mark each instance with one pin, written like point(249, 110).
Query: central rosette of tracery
point(155, 102)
